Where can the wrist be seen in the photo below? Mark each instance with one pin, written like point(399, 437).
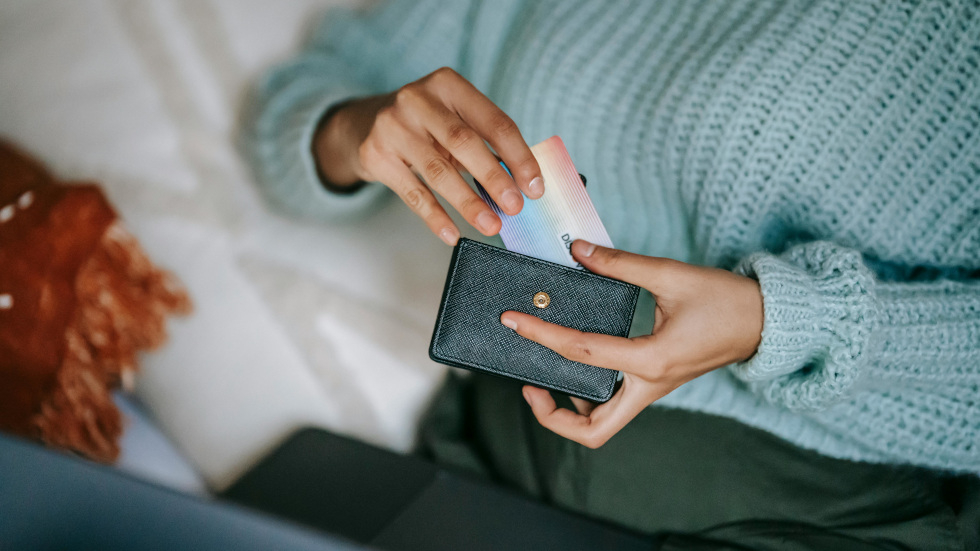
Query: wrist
point(333, 151)
point(753, 316)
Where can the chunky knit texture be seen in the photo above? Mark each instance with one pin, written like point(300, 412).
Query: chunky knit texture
point(830, 149)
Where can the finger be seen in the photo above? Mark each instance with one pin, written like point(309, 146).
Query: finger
point(591, 430)
point(407, 186)
point(463, 143)
point(442, 177)
point(589, 348)
point(455, 162)
point(547, 412)
point(584, 407)
point(648, 272)
point(496, 127)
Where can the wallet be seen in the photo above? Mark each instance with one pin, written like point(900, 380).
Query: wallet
point(485, 281)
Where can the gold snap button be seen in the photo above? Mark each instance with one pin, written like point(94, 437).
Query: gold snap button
point(541, 299)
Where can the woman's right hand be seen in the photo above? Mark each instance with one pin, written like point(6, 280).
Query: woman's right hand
point(432, 128)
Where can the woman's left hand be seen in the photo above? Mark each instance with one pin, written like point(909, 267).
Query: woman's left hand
point(705, 318)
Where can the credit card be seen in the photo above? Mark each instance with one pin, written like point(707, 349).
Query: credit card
point(546, 227)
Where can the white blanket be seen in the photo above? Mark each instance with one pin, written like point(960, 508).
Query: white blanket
point(295, 324)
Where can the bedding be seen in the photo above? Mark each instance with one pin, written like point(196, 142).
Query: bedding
point(295, 323)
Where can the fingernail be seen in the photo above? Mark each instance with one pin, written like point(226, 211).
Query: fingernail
point(589, 249)
point(486, 221)
point(509, 323)
point(511, 199)
point(449, 235)
point(536, 187)
point(527, 397)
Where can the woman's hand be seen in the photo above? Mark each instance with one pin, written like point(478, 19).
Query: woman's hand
point(434, 128)
point(705, 318)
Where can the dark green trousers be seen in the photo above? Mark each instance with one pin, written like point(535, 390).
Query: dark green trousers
point(705, 482)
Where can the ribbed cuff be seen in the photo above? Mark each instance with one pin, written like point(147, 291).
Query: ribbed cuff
point(820, 320)
point(282, 153)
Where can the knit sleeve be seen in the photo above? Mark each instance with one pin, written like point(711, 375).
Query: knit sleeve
point(350, 55)
point(832, 329)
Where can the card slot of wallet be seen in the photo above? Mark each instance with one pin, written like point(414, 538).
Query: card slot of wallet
point(485, 281)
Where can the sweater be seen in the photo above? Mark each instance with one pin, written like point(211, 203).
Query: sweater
point(829, 149)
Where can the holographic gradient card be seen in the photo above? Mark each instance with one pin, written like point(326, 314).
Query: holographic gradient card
point(546, 227)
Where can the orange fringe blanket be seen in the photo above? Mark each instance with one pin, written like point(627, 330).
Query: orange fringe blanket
point(79, 299)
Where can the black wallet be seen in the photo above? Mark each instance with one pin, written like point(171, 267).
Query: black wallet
point(485, 281)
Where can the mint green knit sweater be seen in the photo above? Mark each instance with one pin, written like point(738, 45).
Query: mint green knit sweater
point(830, 149)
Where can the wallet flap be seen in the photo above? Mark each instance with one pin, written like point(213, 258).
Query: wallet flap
point(485, 281)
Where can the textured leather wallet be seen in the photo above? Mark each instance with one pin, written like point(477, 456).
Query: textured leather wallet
point(486, 281)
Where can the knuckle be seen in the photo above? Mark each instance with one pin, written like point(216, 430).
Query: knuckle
point(527, 167)
point(670, 269)
point(471, 205)
point(444, 74)
point(503, 126)
point(415, 199)
point(407, 95)
point(576, 348)
point(497, 179)
point(367, 153)
point(613, 257)
point(386, 118)
point(437, 168)
point(594, 440)
point(459, 135)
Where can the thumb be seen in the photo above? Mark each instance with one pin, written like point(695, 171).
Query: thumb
point(645, 271)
